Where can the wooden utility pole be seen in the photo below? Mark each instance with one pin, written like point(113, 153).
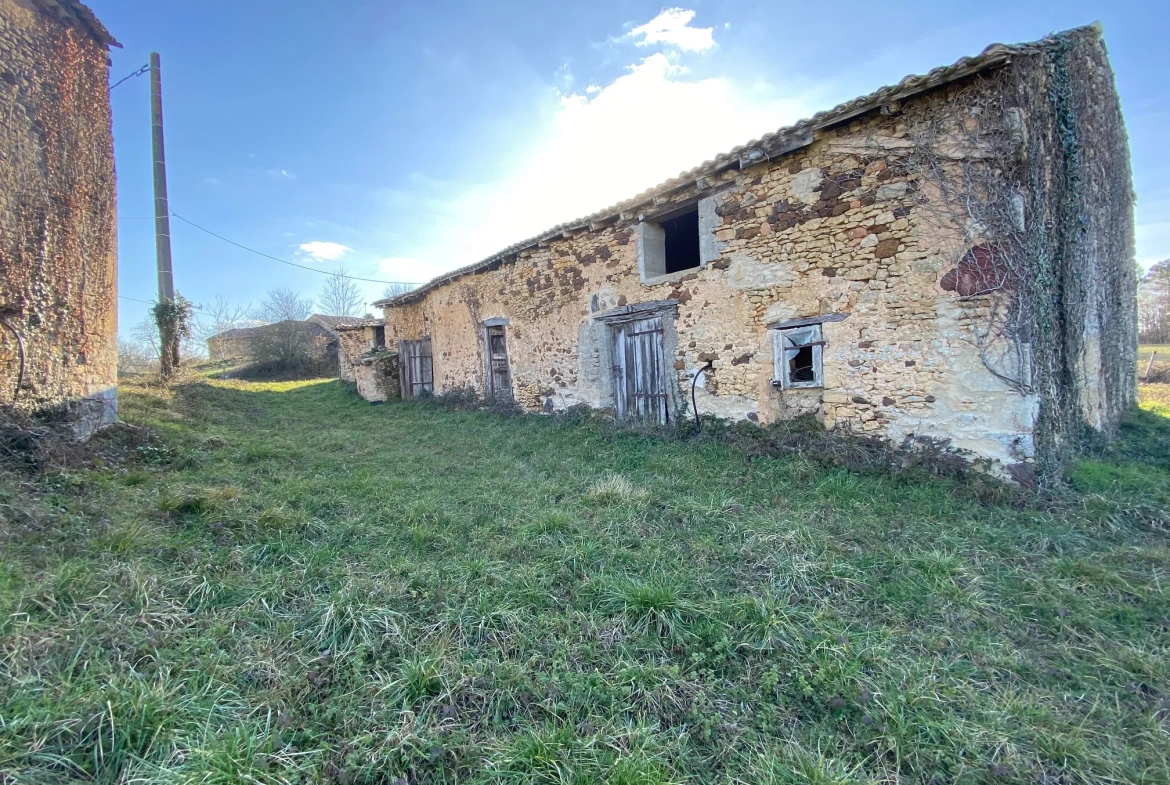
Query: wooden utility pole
point(168, 334)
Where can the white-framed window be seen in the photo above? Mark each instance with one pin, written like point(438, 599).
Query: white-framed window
point(797, 353)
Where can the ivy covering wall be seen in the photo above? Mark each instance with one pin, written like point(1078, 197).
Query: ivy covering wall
point(1080, 244)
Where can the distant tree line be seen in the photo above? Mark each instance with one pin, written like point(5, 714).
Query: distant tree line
point(1154, 304)
point(138, 352)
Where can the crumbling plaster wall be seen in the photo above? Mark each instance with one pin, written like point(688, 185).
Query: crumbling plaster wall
point(841, 226)
point(373, 370)
point(58, 257)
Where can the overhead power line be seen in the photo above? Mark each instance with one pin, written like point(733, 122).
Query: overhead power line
point(134, 299)
point(139, 72)
point(285, 261)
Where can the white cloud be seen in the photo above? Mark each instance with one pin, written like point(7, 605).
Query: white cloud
point(404, 269)
point(672, 27)
point(325, 251)
point(600, 148)
point(578, 153)
point(281, 174)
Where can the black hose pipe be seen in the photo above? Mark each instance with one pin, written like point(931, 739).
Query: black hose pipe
point(694, 404)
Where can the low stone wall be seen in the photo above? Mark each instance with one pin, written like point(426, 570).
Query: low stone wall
point(376, 376)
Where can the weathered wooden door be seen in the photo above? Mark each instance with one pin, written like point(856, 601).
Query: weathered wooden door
point(499, 377)
point(639, 372)
point(416, 370)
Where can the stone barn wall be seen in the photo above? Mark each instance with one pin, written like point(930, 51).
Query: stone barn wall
point(854, 227)
point(824, 231)
point(58, 226)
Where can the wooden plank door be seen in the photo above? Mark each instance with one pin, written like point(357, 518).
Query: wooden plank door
point(640, 372)
point(499, 376)
point(416, 368)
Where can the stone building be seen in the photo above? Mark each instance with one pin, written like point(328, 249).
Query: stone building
point(948, 257)
point(311, 344)
point(367, 362)
point(58, 226)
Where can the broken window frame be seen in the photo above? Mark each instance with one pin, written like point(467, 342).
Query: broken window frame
point(788, 343)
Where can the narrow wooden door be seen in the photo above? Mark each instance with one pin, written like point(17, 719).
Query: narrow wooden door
point(639, 372)
point(415, 368)
point(499, 377)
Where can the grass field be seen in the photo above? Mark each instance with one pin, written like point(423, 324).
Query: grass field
point(1145, 350)
point(295, 586)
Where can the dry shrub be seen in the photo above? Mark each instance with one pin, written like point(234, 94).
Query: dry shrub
point(914, 458)
point(44, 443)
point(1159, 374)
point(466, 399)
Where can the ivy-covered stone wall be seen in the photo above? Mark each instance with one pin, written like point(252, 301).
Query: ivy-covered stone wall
point(1080, 245)
point(58, 252)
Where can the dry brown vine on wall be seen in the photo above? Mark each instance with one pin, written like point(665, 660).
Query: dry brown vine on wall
point(969, 162)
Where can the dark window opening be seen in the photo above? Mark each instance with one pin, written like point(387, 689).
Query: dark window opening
point(800, 367)
point(682, 242)
point(379, 337)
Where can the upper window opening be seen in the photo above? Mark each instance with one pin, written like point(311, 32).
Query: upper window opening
point(669, 246)
point(682, 242)
point(380, 337)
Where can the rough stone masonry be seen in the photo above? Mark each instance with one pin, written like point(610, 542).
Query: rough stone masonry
point(58, 236)
point(950, 257)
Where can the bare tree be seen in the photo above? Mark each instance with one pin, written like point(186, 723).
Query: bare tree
point(135, 357)
point(283, 304)
point(145, 336)
point(219, 316)
point(288, 344)
point(396, 290)
point(144, 341)
point(1154, 304)
point(340, 296)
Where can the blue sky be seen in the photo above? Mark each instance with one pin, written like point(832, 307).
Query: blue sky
point(403, 139)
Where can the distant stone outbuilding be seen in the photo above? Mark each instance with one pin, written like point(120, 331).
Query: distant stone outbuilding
point(950, 257)
point(310, 344)
point(58, 225)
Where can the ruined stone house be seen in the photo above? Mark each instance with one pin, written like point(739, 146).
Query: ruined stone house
point(367, 362)
point(58, 239)
point(948, 257)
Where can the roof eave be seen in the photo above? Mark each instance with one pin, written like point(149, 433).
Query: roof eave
point(778, 144)
point(80, 16)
